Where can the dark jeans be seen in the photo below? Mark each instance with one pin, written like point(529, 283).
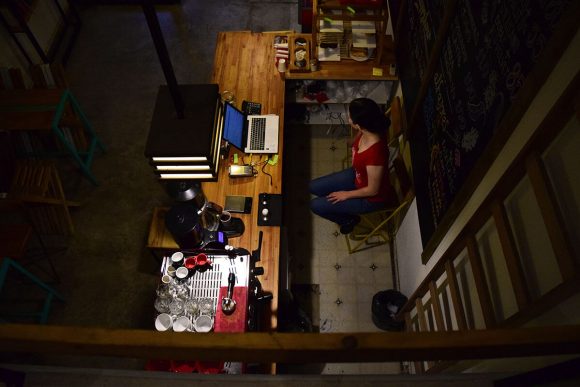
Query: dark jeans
point(341, 212)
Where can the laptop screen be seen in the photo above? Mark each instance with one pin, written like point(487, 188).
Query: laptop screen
point(234, 126)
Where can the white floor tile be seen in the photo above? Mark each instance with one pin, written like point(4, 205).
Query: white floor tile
point(328, 275)
point(367, 326)
point(355, 283)
point(328, 293)
point(346, 276)
point(364, 311)
point(324, 239)
point(347, 293)
point(364, 275)
point(325, 257)
point(324, 168)
point(365, 292)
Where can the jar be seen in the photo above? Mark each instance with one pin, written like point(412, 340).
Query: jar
point(313, 64)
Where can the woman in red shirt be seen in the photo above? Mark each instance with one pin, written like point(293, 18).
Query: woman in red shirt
point(365, 187)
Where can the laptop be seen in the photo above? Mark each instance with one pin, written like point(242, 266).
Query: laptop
point(251, 133)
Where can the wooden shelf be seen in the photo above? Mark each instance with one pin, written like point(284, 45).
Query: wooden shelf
point(322, 10)
point(346, 70)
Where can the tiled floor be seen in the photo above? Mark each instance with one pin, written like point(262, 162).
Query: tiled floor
point(346, 282)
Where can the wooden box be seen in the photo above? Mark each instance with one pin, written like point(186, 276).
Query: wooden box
point(299, 47)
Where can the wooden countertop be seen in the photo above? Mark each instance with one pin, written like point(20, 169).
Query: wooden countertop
point(244, 64)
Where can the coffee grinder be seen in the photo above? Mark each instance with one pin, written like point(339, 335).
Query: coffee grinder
point(196, 222)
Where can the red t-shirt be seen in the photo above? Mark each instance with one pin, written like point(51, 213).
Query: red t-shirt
point(377, 154)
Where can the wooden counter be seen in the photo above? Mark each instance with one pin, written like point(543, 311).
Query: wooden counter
point(244, 64)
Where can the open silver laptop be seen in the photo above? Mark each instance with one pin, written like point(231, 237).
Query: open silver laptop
point(262, 134)
point(251, 134)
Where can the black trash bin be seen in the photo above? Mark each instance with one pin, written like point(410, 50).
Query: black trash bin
point(386, 304)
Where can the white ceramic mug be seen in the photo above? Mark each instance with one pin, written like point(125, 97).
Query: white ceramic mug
point(225, 217)
point(163, 322)
point(181, 272)
point(203, 323)
point(181, 324)
point(177, 258)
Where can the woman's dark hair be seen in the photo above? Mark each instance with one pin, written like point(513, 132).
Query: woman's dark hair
point(366, 113)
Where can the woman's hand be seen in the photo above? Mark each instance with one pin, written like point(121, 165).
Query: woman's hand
point(338, 196)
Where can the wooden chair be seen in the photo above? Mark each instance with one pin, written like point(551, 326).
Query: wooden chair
point(46, 120)
point(380, 227)
point(38, 187)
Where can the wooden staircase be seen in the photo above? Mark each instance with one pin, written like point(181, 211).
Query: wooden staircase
point(471, 286)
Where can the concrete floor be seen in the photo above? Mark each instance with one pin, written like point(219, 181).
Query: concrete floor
point(115, 73)
point(107, 275)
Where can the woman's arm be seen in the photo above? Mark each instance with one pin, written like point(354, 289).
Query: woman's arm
point(375, 175)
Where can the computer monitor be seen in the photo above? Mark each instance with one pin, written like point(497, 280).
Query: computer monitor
point(234, 126)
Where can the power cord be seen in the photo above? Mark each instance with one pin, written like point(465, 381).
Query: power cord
point(266, 173)
point(257, 164)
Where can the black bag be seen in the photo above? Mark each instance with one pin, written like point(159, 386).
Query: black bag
point(386, 304)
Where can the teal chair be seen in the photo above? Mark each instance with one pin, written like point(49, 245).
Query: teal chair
point(13, 243)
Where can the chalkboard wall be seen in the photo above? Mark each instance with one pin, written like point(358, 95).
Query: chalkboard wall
point(488, 50)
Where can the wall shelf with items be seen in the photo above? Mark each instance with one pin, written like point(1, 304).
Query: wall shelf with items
point(338, 91)
point(349, 41)
point(325, 102)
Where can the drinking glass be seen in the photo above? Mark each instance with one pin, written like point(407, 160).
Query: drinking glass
point(164, 291)
point(192, 306)
point(162, 304)
point(206, 306)
point(176, 306)
point(179, 290)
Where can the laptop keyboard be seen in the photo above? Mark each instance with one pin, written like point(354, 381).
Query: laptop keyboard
point(258, 133)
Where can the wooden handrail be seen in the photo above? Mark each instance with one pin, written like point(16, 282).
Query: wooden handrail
point(291, 347)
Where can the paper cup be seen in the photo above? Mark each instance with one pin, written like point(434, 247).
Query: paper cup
point(282, 65)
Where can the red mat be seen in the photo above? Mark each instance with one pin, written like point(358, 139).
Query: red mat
point(236, 322)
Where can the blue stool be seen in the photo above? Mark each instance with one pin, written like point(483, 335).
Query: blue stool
point(13, 242)
point(42, 315)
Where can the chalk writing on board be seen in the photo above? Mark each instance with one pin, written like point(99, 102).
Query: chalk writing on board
point(487, 54)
